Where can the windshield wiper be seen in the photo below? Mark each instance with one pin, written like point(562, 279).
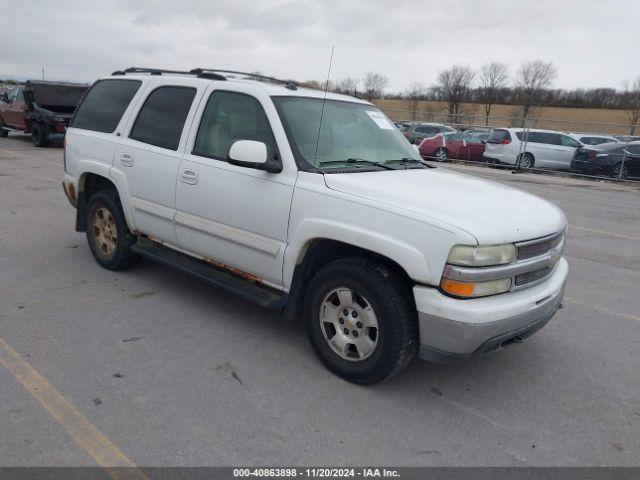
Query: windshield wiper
point(358, 160)
point(405, 160)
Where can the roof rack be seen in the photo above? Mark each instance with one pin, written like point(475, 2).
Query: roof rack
point(210, 73)
point(160, 71)
point(290, 84)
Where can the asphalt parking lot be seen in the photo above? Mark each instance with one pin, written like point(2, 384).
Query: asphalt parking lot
point(174, 372)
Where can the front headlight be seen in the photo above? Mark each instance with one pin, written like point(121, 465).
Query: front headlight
point(482, 256)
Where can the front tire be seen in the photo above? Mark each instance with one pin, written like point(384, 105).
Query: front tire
point(3, 133)
point(39, 135)
point(361, 320)
point(108, 236)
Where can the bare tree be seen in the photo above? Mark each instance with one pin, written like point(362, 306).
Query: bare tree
point(534, 77)
point(374, 85)
point(412, 97)
point(453, 85)
point(347, 85)
point(631, 104)
point(493, 77)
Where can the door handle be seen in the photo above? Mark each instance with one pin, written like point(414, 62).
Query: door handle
point(189, 176)
point(126, 160)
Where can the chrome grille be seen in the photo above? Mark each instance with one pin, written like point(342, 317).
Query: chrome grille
point(534, 248)
point(529, 277)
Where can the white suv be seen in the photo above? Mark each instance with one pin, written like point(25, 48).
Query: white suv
point(316, 207)
point(588, 139)
point(533, 148)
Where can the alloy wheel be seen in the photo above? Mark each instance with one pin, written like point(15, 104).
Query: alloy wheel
point(105, 232)
point(349, 324)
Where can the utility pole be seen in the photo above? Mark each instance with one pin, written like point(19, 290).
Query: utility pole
point(42, 73)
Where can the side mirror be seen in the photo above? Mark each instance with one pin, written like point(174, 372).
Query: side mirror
point(252, 154)
point(4, 97)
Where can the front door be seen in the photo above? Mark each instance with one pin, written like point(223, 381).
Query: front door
point(234, 215)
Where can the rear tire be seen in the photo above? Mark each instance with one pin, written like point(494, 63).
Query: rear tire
point(108, 236)
point(620, 172)
point(442, 155)
point(39, 135)
point(377, 337)
point(526, 161)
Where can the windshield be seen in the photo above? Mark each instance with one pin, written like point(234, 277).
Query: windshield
point(353, 135)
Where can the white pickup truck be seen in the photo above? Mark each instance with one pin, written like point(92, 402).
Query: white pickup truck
point(313, 204)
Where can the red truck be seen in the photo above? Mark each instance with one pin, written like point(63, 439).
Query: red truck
point(41, 108)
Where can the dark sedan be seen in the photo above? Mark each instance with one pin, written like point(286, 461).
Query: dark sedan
point(618, 160)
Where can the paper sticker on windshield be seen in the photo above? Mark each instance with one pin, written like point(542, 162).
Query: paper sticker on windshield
point(380, 120)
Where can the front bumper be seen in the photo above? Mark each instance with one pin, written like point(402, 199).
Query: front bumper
point(452, 330)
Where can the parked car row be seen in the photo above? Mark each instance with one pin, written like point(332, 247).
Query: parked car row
point(589, 153)
point(592, 154)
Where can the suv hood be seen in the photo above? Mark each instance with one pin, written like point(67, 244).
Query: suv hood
point(491, 212)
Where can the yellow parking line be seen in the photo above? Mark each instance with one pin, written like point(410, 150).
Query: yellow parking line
point(602, 232)
point(83, 432)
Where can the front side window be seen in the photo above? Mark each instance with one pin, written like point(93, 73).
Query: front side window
point(104, 105)
point(350, 134)
point(634, 149)
point(568, 142)
point(19, 97)
point(161, 119)
point(228, 117)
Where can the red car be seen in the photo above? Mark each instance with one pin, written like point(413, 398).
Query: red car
point(462, 146)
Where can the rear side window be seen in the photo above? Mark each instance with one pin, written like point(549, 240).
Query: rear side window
point(427, 130)
point(499, 136)
point(161, 118)
point(535, 137)
point(104, 105)
point(228, 117)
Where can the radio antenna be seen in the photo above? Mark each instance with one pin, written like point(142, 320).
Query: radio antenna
point(326, 87)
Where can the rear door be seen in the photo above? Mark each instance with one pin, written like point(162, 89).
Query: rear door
point(149, 153)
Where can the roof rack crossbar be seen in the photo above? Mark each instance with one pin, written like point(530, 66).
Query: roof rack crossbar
point(152, 71)
point(160, 71)
point(287, 83)
point(210, 73)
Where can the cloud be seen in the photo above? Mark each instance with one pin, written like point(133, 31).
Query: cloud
point(593, 44)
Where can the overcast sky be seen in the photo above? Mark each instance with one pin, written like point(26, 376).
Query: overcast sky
point(593, 43)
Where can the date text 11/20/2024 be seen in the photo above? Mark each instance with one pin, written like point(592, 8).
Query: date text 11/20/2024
point(316, 472)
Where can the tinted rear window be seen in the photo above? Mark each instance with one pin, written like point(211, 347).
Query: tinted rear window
point(161, 119)
point(104, 105)
point(500, 135)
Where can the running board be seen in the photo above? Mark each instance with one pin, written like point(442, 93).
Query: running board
point(249, 289)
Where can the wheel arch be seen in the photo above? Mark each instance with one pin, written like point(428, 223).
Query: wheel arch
point(318, 252)
point(90, 182)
